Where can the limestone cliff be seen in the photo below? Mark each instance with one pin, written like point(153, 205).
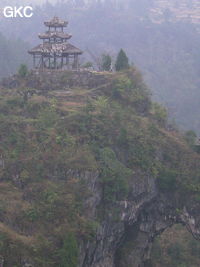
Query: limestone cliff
point(90, 171)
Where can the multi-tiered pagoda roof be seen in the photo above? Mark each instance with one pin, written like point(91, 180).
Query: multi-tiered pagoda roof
point(56, 22)
point(58, 48)
point(49, 35)
point(55, 51)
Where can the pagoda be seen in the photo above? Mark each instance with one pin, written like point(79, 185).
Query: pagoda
point(55, 52)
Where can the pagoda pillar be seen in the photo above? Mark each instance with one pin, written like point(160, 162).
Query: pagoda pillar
point(61, 61)
point(42, 63)
point(54, 61)
point(67, 61)
point(76, 61)
point(34, 60)
point(49, 61)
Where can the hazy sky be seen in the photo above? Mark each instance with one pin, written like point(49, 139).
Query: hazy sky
point(20, 2)
point(33, 2)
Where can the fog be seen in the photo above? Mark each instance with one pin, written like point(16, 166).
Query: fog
point(165, 49)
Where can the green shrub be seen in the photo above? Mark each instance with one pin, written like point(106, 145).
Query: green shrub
point(23, 70)
point(101, 104)
point(47, 117)
point(24, 176)
point(175, 252)
point(190, 137)
point(114, 176)
point(123, 137)
point(69, 252)
point(159, 113)
point(15, 102)
point(32, 214)
point(194, 248)
point(106, 62)
point(122, 61)
point(167, 180)
point(87, 65)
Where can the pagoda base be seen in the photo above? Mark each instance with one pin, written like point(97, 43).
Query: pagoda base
point(66, 62)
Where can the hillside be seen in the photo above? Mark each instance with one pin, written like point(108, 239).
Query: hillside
point(179, 10)
point(90, 171)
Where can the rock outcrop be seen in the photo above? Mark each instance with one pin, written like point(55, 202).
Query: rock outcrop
point(145, 215)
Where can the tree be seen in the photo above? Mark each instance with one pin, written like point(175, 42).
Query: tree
point(26, 93)
point(106, 62)
point(69, 252)
point(167, 14)
point(191, 138)
point(87, 65)
point(23, 70)
point(122, 61)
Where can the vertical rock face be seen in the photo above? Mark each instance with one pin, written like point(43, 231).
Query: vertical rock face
point(127, 241)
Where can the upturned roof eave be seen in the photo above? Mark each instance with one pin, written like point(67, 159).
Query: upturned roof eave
point(56, 22)
point(63, 52)
point(50, 24)
point(48, 36)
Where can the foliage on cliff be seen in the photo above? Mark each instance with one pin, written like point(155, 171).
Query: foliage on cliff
point(176, 247)
point(55, 142)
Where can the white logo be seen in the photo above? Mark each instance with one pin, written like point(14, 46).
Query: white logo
point(14, 12)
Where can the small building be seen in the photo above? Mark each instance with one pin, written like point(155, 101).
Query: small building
point(55, 52)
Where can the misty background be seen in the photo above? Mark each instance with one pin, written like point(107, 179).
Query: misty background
point(166, 50)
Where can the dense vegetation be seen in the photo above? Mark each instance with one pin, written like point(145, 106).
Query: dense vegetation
point(176, 248)
point(51, 140)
